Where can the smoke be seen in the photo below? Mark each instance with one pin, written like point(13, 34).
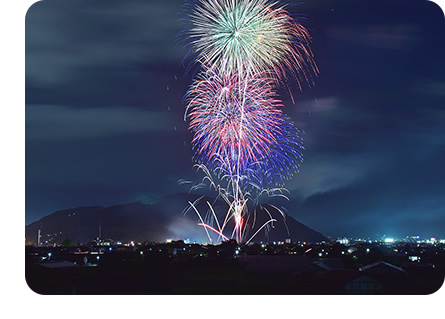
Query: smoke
point(183, 227)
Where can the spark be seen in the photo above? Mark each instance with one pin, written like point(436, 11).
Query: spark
point(251, 36)
point(244, 48)
point(215, 230)
point(239, 128)
point(269, 221)
point(237, 209)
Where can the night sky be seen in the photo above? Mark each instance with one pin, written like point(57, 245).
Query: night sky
point(105, 82)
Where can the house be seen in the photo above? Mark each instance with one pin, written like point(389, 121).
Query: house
point(341, 281)
point(383, 268)
point(321, 266)
point(394, 279)
point(363, 285)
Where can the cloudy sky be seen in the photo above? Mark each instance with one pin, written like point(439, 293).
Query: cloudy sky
point(105, 82)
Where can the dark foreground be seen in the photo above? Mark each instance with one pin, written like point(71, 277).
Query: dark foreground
point(224, 269)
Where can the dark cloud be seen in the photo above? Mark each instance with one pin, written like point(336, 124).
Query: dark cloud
point(68, 38)
point(399, 200)
point(83, 123)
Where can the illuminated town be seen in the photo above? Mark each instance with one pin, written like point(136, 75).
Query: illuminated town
point(410, 265)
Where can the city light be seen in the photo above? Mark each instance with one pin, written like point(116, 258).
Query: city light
point(401, 255)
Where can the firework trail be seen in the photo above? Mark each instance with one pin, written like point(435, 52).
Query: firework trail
point(238, 214)
point(244, 48)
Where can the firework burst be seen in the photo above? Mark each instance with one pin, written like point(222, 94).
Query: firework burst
point(240, 130)
point(244, 36)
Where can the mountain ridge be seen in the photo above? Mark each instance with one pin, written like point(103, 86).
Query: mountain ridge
point(157, 222)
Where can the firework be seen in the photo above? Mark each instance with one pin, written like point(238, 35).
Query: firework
point(244, 36)
point(241, 208)
point(240, 134)
point(239, 129)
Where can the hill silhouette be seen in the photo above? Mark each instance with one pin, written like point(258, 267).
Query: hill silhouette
point(166, 219)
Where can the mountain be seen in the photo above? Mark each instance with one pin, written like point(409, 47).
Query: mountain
point(286, 227)
point(159, 221)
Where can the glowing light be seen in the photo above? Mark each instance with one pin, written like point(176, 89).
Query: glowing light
point(245, 36)
point(240, 134)
point(216, 231)
point(239, 129)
